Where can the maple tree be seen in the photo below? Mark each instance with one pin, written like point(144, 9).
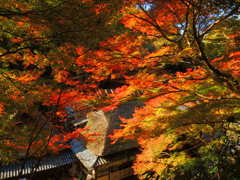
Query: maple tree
point(39, 43)
point(180, 58)
point(189, 78)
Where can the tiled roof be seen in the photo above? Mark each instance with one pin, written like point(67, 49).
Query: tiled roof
point(127, 154)
point(86, 157)
point(101, 161)
point(104, 123)
point(91, 161)
point(33, 165)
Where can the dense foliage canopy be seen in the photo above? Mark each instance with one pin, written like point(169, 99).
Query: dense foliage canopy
point(179, 57)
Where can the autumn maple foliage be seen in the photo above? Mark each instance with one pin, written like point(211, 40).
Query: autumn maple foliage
point(180, 58)
point(188, 73)
point(40, 72)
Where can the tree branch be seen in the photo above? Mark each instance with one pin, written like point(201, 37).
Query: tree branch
point(219, 21)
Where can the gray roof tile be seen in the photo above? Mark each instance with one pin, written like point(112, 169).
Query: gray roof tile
point(33, 165)
point(86, 157)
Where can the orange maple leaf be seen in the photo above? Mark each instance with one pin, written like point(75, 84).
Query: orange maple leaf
point(27, 78)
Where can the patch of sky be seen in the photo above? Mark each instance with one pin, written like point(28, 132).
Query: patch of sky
point(181, 27)
point(206, 21)
point(203, 21)
point(236, 16)
point(147, 6)
point(182, 108)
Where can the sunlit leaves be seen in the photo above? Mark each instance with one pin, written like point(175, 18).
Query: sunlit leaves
point(161, 20)
point(57, 54)
point(26, 78)
point(229, 63)
point(39, 44)
point(1, 108)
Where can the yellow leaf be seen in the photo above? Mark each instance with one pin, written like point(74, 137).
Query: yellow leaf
point(160, 52)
